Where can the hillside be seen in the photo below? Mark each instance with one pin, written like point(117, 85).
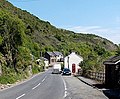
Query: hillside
point(43, 32)
point(22, 34)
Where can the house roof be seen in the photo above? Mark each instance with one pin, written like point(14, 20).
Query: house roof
point(55, 53)
point(112, 60)
point(51, 53)
point(73, 53)
point(77, 55)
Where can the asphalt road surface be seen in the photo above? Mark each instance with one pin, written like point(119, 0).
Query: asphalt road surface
point(79, 90)
point(42, 86)
point(51, 86)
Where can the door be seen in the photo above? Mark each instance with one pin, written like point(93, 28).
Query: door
point(73, 68)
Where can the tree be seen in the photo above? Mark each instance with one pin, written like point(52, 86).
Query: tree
point(12, 33)
point(118, 51)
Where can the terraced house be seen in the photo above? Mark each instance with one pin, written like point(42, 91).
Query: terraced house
point(54, 57)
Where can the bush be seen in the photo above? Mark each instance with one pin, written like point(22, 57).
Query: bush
point(11, 78)
point(35, 69)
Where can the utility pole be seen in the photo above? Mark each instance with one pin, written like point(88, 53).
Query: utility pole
point(68, 62)
point(40, 53)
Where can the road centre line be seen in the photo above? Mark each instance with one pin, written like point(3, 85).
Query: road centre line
point(20, 96)
point(44, 79)
point(39, 83)
point(36, 86)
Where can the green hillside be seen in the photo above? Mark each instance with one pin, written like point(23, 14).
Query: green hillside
point(23, 34)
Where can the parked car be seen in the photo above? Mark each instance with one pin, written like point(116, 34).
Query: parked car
point(66, 71)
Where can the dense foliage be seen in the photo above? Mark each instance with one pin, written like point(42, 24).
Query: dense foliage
point(118, 51)
point(15, 47)
point(23, 35)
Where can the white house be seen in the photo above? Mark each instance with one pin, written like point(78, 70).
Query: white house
point(44, 60)
point(72, 62)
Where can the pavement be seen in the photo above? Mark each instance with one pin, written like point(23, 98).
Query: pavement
point(88, 81)
point(110, 93)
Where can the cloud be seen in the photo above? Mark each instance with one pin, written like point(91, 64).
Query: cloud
point(88, 29)
point(112, 34)
point(84, 29)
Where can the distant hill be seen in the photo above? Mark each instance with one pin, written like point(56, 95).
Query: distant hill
point(37, 36)
point(45, 34)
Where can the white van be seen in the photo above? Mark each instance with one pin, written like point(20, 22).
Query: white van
point(56, 68)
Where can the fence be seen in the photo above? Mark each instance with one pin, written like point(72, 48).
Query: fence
point(99, 76)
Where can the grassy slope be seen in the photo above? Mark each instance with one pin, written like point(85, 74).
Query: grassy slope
point(92, 48)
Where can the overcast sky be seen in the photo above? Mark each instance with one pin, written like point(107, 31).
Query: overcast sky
point(100, 17)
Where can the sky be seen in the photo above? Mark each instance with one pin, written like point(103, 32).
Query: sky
point(99, 17)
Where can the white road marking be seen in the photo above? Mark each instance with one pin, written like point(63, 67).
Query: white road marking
point(39, 83)
point(44, 79)
point(65, 94)
point(36, 86)
point(20, 96)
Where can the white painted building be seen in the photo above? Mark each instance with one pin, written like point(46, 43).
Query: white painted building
point(44, 60)
point(72, 62)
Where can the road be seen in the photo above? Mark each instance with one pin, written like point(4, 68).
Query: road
point(51, 86)
point(76, 89)
point(42, 86)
